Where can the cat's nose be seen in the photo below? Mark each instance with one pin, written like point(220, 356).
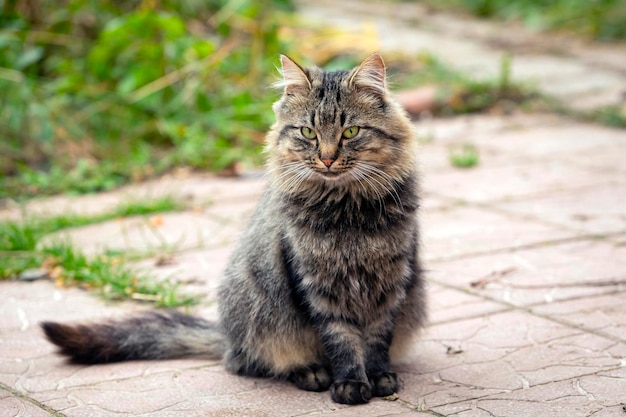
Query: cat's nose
point(328, 162)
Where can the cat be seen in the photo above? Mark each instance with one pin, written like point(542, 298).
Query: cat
point(325, 285)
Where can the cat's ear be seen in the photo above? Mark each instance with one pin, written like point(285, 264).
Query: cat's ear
point(370, 75)
point(294, 76)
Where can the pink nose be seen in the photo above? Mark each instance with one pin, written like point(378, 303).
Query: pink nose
point(328, 162)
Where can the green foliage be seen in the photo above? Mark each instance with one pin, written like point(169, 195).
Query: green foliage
point(460, 94)
point(99, 93)
point(20, 250)
point(600, 19)
point(614, 116)
point(464, 156)
point(110, 277)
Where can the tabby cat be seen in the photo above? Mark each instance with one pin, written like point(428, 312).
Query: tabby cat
point(325, 284)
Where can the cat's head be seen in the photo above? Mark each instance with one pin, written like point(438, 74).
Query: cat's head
point(339, 128)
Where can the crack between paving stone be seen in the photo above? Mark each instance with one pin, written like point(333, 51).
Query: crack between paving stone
point(473, 387)
point(167, 407)
point(422, 406)
point(122, 379)
point(532, 195)
point(486, 411)
point(468, 317)
point(577, 327)
point(528, 309)
point(489, 206)
point(526, 246)
point(608, 282)
point(34, 402)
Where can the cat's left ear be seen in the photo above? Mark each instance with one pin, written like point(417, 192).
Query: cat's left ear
point(294, 76)
point(371, 74)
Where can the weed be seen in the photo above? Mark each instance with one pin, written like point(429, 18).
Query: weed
point(108, 276)
point(106, 273)
point(464, 156)
point(601, 19)
point(614, 116)
point(97, 94)
point(460, 94)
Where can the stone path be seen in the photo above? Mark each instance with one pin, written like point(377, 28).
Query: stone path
point(527, 269)
point(582, 74)
point(526, 258)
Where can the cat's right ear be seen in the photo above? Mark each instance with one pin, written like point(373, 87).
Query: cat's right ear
point(294, 76)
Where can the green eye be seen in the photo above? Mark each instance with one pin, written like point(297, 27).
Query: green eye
point(308, 133)
point(350, 132)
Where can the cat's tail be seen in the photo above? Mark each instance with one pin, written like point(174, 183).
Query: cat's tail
point(153, 335)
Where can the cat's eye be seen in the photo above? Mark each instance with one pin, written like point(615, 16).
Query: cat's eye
point(350, 132)
point(308, 133)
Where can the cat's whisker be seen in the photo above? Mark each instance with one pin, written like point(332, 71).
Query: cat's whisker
point(303, 176)
point(387, 182)
point(354, 173)
point(283, 167)
point(288, 173)
point(288, 170)
point(391, 182)
point(363, 175)
point(301, 173)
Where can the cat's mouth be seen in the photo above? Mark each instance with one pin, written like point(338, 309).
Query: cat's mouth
point(332, 175)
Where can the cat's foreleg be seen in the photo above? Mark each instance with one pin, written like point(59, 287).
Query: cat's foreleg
point(377, 361)
point(343, 342)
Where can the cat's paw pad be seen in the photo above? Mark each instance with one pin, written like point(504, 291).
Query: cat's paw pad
point(384, 383)
point(351, 392)
point(312, 378)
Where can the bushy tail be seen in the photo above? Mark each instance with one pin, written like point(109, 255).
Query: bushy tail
point(153, 335)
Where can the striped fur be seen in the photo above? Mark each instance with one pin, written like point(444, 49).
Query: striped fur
point(325, 285)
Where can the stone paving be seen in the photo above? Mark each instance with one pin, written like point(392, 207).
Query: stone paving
point(526, 261)
point(526, 258)
point(583, 74)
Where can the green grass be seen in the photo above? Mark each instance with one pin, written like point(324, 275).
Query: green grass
point(107, 274)
point(99, 94)
point(614, 116)
point(460, 94)
point(25, 235)
point(599, 19)
point(464, 156)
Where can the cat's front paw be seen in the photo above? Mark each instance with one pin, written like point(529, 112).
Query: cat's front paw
point(312, 378)
point(384, 383)
point(351, 392)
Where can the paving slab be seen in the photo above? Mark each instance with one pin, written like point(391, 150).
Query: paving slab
point(581, 74)
point(595, 210)
point(525, 278)
point(197, 190)
point(538, 275)
point(12, 406)
point(605, 314)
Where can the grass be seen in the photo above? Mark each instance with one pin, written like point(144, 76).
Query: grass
point(106, 273)
point(460, 94)
point(464, 156)
point(99, 94)
point(599, 19)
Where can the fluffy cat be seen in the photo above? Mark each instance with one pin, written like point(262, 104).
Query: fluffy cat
point(325, 285)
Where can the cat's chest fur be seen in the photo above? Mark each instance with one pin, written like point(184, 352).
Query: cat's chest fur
point(348, 255)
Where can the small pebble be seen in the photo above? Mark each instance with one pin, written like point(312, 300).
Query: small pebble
point(392, 397)
point(29, 275)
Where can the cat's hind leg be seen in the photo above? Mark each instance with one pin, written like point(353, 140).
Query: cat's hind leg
point(294, 356)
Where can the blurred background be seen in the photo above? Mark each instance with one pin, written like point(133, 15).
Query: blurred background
point(97, 94)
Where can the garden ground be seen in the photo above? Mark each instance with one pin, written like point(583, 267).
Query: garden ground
point(526, 259)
